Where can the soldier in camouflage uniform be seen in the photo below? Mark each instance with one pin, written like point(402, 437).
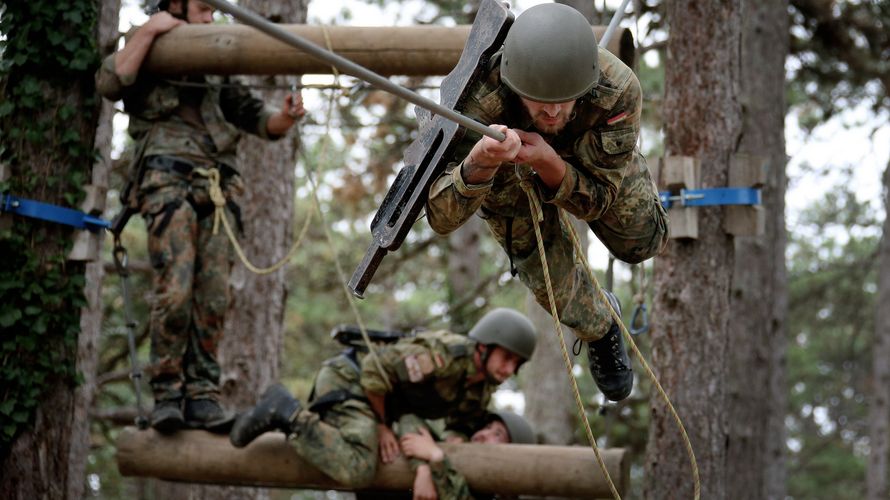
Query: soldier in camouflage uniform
point(571, 114)
point(432, 375)
point(179, 129)
point(435, 476)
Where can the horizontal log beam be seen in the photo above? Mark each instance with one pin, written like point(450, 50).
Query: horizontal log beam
point(200, 457)
point(403, 50)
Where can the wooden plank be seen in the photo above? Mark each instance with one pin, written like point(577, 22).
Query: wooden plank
point(398, 50)
point(201, 457)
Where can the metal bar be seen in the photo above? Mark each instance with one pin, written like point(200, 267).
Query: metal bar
point(350, 68)
point(613, 24)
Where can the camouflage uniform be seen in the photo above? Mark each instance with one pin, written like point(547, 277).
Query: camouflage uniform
point(428, 375)
point(174, 129)
point(607, 185)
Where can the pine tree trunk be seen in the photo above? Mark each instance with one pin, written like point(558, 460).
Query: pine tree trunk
point(756, 384)
point(690, 340)
point(91, 315)
point(464, 273)
point(37, 464)
point(879, 409)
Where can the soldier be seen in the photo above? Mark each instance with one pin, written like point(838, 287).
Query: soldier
point(571, 114)
point(432, 375)
point(181, 130)
point(435, 477)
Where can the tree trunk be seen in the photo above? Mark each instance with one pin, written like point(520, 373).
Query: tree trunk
point(756, 385)
point(693, 277)
point(91, 315)
point(249, 351)
point(464, 273)
point(46, 155)
point(879, 410)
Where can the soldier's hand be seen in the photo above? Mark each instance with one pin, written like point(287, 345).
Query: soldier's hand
point(293, 106)
point(488, 152)
point(161, 23)
point(389, 445)
point(541, 157)
point(424, 487)
point(421, 445)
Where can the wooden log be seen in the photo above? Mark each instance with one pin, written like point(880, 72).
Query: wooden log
point(200, 457)
point(674, 174)
point(404, 50)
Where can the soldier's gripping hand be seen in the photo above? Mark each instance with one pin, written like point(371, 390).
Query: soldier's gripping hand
point(161, 23)
point(424, 486)
point(422, 446)
point(488, 154)
point(388, 444)
point(543, 159)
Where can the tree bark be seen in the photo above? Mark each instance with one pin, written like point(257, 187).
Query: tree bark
point(879, 409)
point(37, 464)
point(759, 299)
point(91, 315)
point(703, 119)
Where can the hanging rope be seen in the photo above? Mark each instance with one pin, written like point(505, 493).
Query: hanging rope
point(528, 186)
point(686, 442)
point(537, 214)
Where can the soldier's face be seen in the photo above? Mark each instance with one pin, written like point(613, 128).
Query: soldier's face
point(493, 433)
point(502, 364)
point(198, 12)
point(549, 118)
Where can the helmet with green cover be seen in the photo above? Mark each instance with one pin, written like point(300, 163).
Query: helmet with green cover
point(550, 55)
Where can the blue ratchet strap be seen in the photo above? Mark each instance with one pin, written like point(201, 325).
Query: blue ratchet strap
point(711, 196)
point(52, 213)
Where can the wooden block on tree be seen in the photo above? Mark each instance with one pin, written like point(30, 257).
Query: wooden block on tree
point(674, 174)
point(746, 220)
point(86, 246)
point(94, 203)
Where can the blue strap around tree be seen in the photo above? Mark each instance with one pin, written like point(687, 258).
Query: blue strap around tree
point(52, 213)
point(711, 196)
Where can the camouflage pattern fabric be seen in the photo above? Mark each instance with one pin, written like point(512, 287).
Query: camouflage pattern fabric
point(450, 484)
point(607, 185)
point(342, 444)
point(201, 126)
point(428, 376)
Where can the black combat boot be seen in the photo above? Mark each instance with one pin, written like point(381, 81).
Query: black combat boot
point(166, 417)
point(274, 411)
point(208, 415)
point(609, 362)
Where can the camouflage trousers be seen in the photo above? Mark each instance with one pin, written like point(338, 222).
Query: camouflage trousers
point(633, 229)
point(191, 294)
point(342, 441)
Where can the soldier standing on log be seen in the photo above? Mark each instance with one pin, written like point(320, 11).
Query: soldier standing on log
point(182, 129)
point(571, 113)
point(433, 375)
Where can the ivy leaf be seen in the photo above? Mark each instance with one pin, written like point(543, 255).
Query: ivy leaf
point(7, 406)
point(9, 317)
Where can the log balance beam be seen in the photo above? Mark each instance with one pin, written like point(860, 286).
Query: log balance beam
point(404, 50)
point(510, 469)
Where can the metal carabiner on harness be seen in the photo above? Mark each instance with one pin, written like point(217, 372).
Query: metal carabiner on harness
point(120, 263)
point(640, 314)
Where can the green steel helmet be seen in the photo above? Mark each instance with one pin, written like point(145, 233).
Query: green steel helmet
point(550, 54)
point(520, 429)
point(508, 329)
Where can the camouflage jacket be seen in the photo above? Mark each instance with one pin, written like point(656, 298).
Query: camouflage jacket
point(597, 145)
point(201, 124)
point(428, 375)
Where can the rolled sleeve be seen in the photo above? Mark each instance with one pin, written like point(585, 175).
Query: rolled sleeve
point(109, 84)
point(452, 201)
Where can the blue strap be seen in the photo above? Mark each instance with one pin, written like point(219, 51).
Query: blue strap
point(52, 213)
point(711, 196)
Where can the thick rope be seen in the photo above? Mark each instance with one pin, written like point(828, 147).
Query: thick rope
point(219, 213)
point(537, 216)
point(686, 442)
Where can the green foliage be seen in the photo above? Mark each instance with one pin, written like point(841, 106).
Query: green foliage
point(49, 47)
point(832, 291)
